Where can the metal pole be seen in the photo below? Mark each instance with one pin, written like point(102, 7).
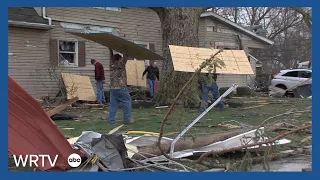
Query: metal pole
point(232, 88)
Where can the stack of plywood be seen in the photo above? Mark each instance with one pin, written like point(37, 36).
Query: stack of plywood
point(78, 86)
point(188, 59)
point(135, 70)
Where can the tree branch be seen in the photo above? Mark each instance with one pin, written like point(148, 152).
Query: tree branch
point(270, 141)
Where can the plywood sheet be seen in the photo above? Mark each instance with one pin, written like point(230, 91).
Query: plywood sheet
point(135, 70)
point(78, 86)
point(188, 59)
point(121, 45)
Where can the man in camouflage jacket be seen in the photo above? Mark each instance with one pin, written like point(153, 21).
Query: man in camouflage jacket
point(118, 88)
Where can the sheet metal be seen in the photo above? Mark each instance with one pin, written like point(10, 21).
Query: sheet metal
point(121, 45)
point(31, 131)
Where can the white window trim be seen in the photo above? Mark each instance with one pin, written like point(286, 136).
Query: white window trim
point(117, 9)
point(143, 43)
point(214, 28)
point(76, 59)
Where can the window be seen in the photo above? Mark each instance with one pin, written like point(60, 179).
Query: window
point(68, 53)
point(143, 44)
point(109, 8)
point(305, 74)
point(210, 28)
point(291, 74)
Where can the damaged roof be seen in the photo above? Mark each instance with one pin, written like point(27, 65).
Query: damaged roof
point(25, 14)
point(236, 26)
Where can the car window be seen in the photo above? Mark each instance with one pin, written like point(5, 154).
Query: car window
point(291, 74)
point(305, 74)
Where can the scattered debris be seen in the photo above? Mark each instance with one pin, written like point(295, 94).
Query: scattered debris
point(252, 107)
point(61, 107)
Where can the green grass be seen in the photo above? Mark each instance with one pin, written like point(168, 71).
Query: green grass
point(150, 119)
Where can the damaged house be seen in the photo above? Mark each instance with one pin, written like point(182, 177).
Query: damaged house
point(40, 48)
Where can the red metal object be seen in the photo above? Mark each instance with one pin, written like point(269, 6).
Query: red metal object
point(31, 131)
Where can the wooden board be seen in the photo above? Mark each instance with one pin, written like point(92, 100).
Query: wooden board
point(78, 86)
point(135, 70)
point(121, 45)
point(61, 107)
point(188, 59)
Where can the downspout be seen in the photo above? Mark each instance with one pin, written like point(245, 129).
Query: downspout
point(45, 17)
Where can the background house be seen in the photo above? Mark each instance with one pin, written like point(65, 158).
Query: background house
point(40, 49)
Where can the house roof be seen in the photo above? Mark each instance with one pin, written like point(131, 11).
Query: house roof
point(236, 26)
point(25, 14)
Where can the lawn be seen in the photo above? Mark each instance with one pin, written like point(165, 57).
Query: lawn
point(149, 119)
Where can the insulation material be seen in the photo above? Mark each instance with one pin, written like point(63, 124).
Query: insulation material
point(78, 86)
point(188, 59)
point(134, 70)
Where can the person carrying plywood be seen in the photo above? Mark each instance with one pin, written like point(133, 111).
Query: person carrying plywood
point(118, 88)
point(100, 80)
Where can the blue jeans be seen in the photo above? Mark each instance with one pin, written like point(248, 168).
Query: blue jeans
point(152, 86)
point(118, 96)
point(214, 89)
point(100, 93)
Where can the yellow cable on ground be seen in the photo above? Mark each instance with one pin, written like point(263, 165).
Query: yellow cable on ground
point(142, 132)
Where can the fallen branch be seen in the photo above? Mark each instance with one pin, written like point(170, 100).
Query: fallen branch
point(270, 141)
point(165, 119)
point(186, 143)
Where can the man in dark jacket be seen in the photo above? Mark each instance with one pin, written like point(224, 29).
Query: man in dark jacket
point(152, 76)
point(209, 84)
point(118, 88)
point(100, 80)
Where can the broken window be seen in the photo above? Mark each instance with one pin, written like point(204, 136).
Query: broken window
point(68, 53)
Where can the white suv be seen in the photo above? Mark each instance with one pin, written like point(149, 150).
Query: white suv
point(289, 78)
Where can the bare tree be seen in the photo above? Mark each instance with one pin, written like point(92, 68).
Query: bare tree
point(179, 26)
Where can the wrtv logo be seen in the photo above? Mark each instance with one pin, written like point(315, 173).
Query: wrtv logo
point(33, 160)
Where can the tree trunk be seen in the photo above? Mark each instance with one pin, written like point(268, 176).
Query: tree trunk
point(179, 27)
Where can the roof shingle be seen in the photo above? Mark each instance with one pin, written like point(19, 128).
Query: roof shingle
point(25, 14)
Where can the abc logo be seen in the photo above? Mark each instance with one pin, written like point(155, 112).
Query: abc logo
point(74, 160)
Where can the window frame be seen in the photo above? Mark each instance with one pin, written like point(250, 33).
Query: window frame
point(146, 62)
point(76, 53)
point(210, 26)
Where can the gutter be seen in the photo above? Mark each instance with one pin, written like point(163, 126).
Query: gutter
point(29, 25)
point(45, 17)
